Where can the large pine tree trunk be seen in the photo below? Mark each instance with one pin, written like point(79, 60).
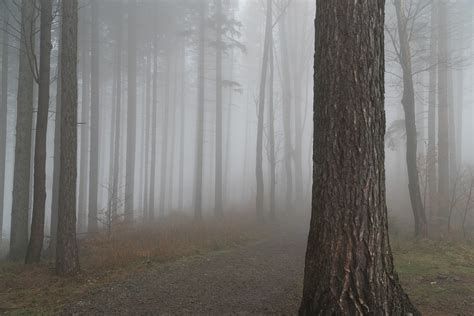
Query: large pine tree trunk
point(85, 122)
point(92, 223)
point(3, 115)
point(21, 171)
point(39, 196)
point(67, 258)
point(408, 102)
point(131, 113)
point(431, 150)
point(218, 167)
point(261, 107)
point(443, 114)
point(200, 114)
point(349, 267)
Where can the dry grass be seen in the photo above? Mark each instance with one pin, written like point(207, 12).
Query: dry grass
point(35, 289)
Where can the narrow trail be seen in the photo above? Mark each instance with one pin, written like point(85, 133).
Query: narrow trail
point(260, 278)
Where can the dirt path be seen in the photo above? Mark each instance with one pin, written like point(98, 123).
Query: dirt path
point(262, 278)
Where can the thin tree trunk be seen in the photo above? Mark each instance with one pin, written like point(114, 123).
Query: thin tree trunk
point(271, 134)
point(92, 225)
point(172, 137)
point(164, 135)
point(57, 155)
point(286, 113)
point(182, 128)
point(67, 257)
point(200, 114)
point(146, 207)
point(3, 115)
point(218, 167)
point(154, 106)
point(85, 123)
point(118, 116)
point(35, 245)
point(21, 172)
point(131, 115)
point(349, 267)
point(443, 114)
point(408, 102)
point(431, 151)
point(261, 107)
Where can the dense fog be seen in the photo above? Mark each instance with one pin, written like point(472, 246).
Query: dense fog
point(165, 98)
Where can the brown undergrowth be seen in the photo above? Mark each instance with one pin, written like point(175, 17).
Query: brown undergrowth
point(106, 258)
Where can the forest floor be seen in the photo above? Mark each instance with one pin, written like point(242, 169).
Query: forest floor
point(259, 275)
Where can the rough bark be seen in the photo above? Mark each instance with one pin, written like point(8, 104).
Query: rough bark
point(35, 245)
point(21, 171)
point(67, 257)
point(92, 217)
point(200, 114)
point(408, 102)
point(443, 114)
point(349, 266)
point(261, 109)
point(131, 113)
point(3, 114)
point(85, 121)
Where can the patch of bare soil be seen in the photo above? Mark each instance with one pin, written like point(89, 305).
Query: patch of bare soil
point(261, 278)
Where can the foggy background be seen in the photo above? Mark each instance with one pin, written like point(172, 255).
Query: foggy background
point(174, 26)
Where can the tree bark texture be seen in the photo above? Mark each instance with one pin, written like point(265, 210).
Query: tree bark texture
point(349, 266)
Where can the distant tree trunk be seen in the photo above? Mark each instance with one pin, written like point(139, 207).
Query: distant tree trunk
point(92, 225)
point(200, 114)
point(3, 115)
point(431, 150)
point(146, 151)
point(218, 183)
point(443, 114)
point(154, 112)
point(21, 172)
point(182, 128)
point(118, 110)
point(349, 267)
point(57, 154)
point(286, 116)
point(110, 194)
point(408, 102)
point(164, 135)
point(229, 134)
point(131, 115)
point(271, 134)
point(67, 257)
point(261, 107)
point(85, 121)
point(35, 245)
point(172, 130)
